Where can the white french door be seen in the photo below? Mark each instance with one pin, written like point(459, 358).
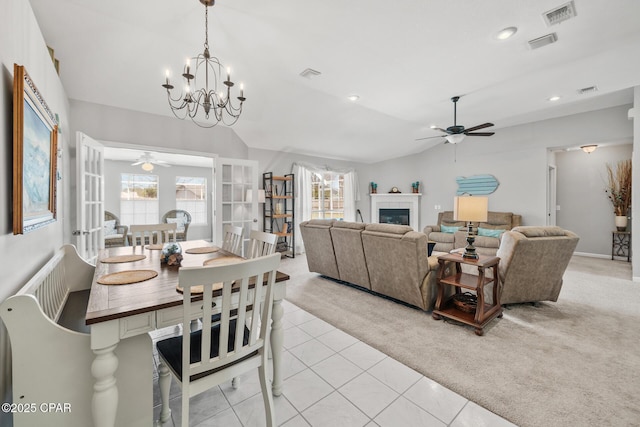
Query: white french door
point(237, 201)
point(90, 197)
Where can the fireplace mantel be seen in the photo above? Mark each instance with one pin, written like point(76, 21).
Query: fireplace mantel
point(409, 201)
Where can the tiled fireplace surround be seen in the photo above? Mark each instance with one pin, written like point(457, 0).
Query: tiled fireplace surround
point(409, 201)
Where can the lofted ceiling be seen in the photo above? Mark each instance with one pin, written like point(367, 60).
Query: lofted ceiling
point(404, 58)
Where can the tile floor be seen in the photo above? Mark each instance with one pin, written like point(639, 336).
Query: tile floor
point(331, 379)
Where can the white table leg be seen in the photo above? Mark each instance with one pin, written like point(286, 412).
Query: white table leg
point(105, 392)
point(164, 381)
point(277, 340)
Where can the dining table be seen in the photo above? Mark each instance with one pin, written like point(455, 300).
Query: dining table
point(117, 311)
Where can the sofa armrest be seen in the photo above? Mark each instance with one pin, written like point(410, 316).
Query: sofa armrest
point(430, 228)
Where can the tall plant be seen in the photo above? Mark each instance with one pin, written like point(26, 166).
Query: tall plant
point(619, 188)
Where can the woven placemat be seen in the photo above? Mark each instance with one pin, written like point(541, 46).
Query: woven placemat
point(203, 250)
point(154, 247)
point(198, 289)
point(127, 277)
point(223, 260)
point(122, 258)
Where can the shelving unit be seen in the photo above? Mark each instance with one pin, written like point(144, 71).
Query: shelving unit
point(278, 211)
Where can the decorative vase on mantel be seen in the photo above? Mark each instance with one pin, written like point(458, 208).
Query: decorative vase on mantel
point(621, 222)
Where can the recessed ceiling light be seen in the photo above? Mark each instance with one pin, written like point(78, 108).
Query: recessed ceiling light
point(554, 98)
point(433, 126)
point(506, 33)
point(353, 98)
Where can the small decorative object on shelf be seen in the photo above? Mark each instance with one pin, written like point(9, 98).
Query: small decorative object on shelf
point(415, 187)
point(374, 187)
point(394, 190)
point(171, 254)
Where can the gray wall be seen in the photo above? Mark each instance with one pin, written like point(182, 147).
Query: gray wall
point(166, 185)
point(22, 255)
point(584, 206)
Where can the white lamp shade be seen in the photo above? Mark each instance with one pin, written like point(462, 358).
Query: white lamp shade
point(455, 138)
point(249, 197)
point(470, 208)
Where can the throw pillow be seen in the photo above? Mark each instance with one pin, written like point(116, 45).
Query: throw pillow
point(110, 228)
point(179, 223)
point(450, 230)
point(487, 232)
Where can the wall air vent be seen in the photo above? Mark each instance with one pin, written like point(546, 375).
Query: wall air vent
point(587, 90)
point(543, 41)
point(560, 14)
point(309, 72)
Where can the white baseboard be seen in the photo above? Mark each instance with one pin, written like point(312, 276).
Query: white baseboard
point(590, 255)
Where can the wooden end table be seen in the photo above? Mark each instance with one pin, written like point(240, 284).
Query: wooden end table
point(484, 312)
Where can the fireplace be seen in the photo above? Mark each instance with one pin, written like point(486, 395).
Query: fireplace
point(399, 208)
point(394, 216)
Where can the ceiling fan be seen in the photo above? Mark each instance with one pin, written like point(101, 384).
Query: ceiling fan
point(456, 133)
point(148, 161)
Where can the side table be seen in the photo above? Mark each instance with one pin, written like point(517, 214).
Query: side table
point(484, 312)
point(621, 244)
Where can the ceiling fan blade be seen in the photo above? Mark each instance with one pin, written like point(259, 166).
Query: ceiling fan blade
point(137, 163)
point(441, 130)
point(163, 164)
point(430, 137)
point(480, 133)
point(482, 126)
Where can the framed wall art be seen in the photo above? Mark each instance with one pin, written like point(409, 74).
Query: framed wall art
point(34, 156)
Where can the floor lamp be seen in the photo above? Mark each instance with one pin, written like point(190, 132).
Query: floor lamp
point(470, 209)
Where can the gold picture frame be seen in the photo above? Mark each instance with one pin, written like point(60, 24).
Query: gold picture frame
point(35, 147)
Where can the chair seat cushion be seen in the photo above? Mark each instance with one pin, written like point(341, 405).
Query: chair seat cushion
point(114, 237)
point(170, 349)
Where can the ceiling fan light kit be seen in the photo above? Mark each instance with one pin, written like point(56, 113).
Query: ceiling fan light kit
point(456, 133)
point(209, 101)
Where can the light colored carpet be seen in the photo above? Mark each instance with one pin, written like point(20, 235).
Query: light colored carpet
point(575, 362)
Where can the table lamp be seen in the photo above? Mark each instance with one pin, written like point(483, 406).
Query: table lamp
point(470, 209)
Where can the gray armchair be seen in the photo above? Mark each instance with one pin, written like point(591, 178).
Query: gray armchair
point(182, 219)
point(533, 261)
point(115, 234)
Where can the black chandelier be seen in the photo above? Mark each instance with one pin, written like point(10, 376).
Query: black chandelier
point(208, 100)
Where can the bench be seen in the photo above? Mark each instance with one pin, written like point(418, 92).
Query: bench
point(51, 350)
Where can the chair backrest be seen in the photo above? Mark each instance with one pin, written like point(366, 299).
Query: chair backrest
point(180, 217)
point(232, 240)
point(261, 244)
point(108, 216)
point(240, 293)
point(162, 233)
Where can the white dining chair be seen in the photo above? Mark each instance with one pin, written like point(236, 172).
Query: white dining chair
point(238, 343)
point(152, 233)
point(261, 243)
point(232, 239)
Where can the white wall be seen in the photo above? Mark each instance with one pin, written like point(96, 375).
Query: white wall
point(21, 42)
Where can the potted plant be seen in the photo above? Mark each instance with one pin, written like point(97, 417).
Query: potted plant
point(619, 191)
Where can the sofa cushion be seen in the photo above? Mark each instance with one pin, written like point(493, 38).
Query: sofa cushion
point(487, 242)
point(389, 228)
point(349, 224)
point(448, 229)
point(490, 232)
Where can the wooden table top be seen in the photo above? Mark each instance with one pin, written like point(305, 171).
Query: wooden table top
point(482, 261)
point(108, 302)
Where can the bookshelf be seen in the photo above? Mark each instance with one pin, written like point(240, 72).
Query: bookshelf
point(279, 210)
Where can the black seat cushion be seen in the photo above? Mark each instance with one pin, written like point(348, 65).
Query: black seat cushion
point(171, 348)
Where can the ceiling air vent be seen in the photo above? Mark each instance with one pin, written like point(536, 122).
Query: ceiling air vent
point(543, 41)
point(560, 14)
point(309, 72)
point(587, 90)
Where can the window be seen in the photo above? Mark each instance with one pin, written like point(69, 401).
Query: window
point(327, 195)
point(139, 199)
point(191, 196)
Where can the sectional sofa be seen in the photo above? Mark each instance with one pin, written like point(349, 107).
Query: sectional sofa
point(387, 259)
